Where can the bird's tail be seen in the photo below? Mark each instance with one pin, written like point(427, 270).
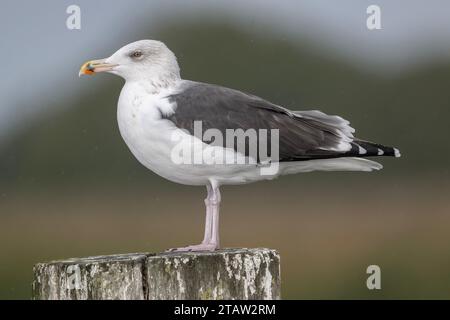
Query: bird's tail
point(361, 148)
point(342, 128)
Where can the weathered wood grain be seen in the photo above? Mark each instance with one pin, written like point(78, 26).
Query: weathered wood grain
point(223, 274)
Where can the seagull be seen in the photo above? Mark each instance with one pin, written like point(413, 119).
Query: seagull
point(181, 130)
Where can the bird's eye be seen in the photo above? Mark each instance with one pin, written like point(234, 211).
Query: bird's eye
point(136, 54)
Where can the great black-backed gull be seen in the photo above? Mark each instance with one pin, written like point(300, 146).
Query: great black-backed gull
point(202, 134)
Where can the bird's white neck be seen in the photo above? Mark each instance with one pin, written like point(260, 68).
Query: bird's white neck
point(156, 82)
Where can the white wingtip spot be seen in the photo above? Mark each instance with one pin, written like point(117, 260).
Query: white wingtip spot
point(380, 152)
point(397, 153)
point(361, 150)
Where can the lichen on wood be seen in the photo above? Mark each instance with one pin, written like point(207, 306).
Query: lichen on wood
point(223, 274)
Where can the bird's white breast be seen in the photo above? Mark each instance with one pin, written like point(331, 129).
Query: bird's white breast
point(153, 139)
point(150, 137)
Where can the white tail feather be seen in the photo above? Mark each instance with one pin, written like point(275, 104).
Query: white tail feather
point(335, 164)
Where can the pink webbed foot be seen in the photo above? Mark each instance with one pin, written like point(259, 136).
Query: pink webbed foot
point(198, 247)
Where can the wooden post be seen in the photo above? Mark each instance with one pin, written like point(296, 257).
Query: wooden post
point(223, 274)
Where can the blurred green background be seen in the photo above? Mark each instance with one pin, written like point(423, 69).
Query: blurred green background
point(70, 187)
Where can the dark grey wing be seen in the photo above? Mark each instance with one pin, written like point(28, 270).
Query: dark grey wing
point(302, 135)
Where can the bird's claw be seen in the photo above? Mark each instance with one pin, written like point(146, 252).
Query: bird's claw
point(193, 248)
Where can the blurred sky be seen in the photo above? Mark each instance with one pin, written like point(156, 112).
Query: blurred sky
point(41, 56)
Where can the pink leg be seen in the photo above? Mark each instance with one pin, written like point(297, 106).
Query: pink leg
point(208, 219)
point(215, 207)
point(211, 236)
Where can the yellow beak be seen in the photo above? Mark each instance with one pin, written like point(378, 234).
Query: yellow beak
point(96, 66)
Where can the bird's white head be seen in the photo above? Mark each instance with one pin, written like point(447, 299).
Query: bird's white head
point(145, 61)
